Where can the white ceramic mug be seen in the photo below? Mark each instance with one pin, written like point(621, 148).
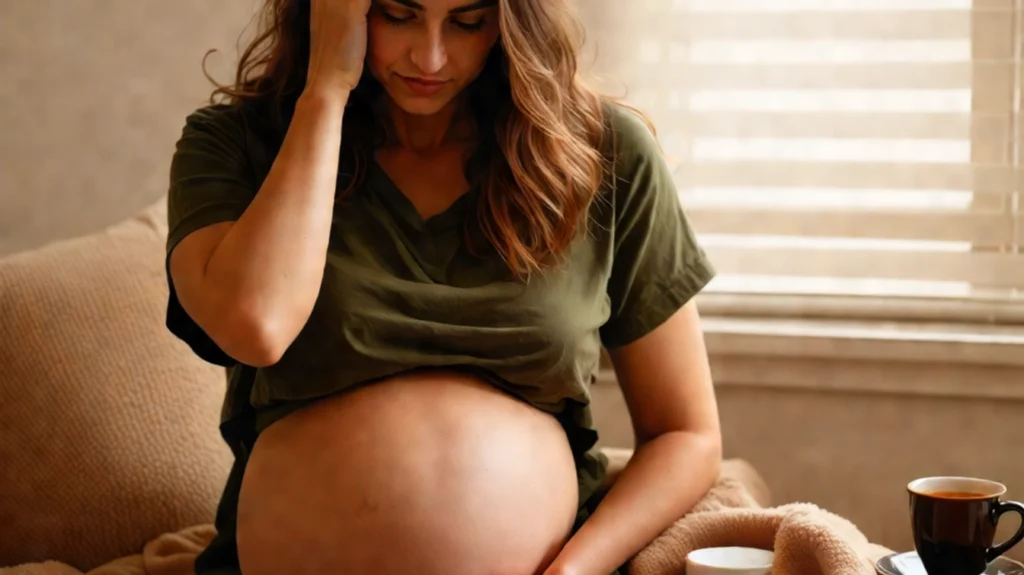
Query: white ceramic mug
point(729, 561)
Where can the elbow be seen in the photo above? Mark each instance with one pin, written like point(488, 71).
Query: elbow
point(714, 440)
point(701, 448)
point(248, 326)
point(257, 340)
point(262, 354)
point(715, 455)
point(707, 441)
point(706, 446)
point(710, 442)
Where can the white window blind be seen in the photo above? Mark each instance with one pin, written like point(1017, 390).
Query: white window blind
point(837, 157)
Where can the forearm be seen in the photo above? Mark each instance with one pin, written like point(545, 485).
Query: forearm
point(663, 480)
point(271, 261)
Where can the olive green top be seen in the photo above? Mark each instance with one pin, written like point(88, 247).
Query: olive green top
point(400, 293)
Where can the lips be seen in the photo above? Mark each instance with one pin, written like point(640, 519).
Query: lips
point(423, 86)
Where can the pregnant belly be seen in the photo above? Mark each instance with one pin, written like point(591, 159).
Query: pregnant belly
point(424, 473)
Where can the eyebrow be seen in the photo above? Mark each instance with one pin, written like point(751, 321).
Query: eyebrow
point(478, 5)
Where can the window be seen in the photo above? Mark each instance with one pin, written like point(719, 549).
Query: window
point(839, 158)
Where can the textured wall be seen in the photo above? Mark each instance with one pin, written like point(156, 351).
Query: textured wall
point(92, 97)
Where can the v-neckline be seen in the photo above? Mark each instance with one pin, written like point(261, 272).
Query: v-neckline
point(453, 216)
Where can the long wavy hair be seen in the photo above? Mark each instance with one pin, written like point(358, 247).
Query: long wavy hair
point(539, 165)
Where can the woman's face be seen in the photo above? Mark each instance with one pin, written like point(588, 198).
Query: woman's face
point(425, 52)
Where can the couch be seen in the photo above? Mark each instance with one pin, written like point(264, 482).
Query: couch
point(112, 460)
point(108, 425)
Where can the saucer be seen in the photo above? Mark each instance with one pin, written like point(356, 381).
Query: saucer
point(910, 564)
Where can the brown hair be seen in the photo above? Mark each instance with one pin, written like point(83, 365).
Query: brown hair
point(540, 167)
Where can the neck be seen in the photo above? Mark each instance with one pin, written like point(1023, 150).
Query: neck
point(428, 133)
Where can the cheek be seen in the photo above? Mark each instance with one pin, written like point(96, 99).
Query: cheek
point(471, 53)
point(384, 46)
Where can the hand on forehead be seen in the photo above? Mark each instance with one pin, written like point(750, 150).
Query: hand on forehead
point(443, 6)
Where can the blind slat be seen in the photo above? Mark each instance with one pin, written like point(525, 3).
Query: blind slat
point(988, 308)
point(940, 126)
point(830, 25)
point(685, 76)
point(985, 269)
point(979, 229)
point(834, 76)
point(992, 179)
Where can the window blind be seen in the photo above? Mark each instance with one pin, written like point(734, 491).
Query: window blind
point(837, 157)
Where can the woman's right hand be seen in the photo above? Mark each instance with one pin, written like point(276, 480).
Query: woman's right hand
point(337, 43)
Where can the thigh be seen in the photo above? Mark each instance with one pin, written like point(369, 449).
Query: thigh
point(221, 556)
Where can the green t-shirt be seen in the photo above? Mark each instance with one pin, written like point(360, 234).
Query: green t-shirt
point(400, 293)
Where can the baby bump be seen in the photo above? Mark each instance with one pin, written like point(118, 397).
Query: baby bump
point(424, 473)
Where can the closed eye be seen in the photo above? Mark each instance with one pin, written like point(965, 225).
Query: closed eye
point(405, 16)
point(395, 19)
point(474, 26)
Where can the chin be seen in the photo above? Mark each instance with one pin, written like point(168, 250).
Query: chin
point(422, 106)
point(419, 105)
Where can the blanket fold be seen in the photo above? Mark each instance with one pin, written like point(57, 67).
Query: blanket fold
point(807, 540)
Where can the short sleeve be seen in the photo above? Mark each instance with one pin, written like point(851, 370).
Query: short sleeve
point(658, 265)
point(211, 181)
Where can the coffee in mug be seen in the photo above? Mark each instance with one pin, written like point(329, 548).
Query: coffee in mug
point(954, 523)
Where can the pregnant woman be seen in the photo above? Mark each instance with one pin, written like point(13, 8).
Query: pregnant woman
point(408, 231)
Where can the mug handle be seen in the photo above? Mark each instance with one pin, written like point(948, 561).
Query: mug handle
point(998, 510)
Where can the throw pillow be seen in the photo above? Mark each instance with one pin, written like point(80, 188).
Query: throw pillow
point(108, 424)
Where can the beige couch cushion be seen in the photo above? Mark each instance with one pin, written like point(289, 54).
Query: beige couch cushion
point(108, 424)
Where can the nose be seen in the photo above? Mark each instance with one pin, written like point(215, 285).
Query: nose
point(429, 53)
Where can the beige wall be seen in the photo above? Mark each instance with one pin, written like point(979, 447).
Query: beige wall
point(92, 98)
point(853, 453)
